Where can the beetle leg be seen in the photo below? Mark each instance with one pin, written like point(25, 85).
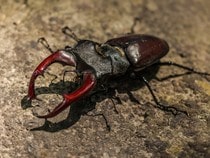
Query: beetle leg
point(105, 119)
point(89, 81)
point(115, 108)
point(59, 56)
point(191, 70)
point(171, 109)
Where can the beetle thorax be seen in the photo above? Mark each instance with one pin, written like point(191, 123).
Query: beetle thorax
point(104, 59)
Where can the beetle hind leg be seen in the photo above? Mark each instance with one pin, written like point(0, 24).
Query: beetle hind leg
point(161, 106)
point(189, 70)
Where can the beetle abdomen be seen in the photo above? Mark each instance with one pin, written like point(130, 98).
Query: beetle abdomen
point(141, 50)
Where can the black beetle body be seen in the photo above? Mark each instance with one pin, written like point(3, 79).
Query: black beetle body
point(95, 62)
point(116, 56)
point(141, 50)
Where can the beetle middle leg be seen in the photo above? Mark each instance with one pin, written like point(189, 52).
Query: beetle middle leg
point(104, 117)
point(118, 100)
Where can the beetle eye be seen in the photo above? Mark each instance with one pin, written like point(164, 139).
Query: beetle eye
point(133, 53)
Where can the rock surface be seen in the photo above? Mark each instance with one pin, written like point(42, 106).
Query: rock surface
point(139, 129)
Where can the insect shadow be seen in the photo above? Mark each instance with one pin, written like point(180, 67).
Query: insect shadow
point(124, 84)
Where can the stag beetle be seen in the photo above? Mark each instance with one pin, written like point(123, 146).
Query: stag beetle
point(95, 61)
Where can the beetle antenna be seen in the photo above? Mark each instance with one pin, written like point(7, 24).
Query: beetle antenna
point(44, 42)
point(69, 32)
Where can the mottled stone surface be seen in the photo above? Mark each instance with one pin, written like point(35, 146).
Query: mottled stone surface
point(139, 129)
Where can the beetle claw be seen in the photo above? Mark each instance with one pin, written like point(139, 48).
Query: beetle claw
point(89, 81)
point(59, 56)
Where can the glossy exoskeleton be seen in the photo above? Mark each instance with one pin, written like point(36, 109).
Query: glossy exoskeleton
point(95, 61)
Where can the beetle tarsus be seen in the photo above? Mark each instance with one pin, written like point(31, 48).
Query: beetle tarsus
point(171, 109)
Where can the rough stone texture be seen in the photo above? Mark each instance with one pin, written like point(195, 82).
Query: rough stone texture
point(139, 129)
